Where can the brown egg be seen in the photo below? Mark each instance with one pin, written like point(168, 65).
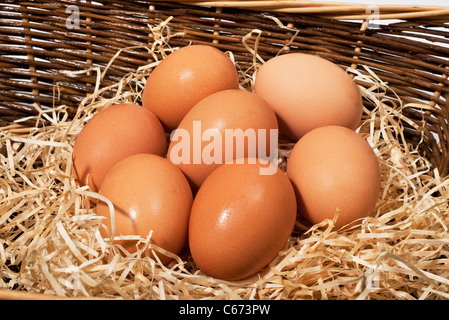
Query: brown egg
point(185, 77)
point(213, 133)
point(112, 135)
point(333, 168)
point(148, 193)
point(240, 220)
point(307, 92)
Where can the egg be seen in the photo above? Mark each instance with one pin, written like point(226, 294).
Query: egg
point(307, 92)
point(113, 134)
point(241, 219)
point(226, 125)
point(149, 194)
point(332, 169)
point(183, 78)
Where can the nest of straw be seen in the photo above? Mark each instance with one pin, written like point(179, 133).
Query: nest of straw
point(50, 238)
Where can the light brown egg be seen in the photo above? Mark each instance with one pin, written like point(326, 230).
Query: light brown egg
point(213, 133)
point(307, 92)
point(185, 77)
point(149, 194)
point(112, 135)
point(240, 220)
point(333, 168)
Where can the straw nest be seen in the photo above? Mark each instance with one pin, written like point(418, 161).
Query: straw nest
point(50, 235)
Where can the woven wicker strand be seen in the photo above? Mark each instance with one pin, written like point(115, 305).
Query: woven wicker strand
point(331, 9)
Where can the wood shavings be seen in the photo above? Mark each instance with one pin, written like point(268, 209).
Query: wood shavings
point(50, 236)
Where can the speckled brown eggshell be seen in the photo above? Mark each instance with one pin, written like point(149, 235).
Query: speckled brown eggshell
point(148, 193)
point(240, 220)
point(112, 135)
point(307, 92)
point(183, 78)
point(332, 168)
point(232, 109)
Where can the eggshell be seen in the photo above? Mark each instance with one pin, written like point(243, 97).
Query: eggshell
point(112, 135)
point(240, 220)
point(148, 193)
point(222, 113)
point(307, 92)
point(332, 168)
point(185, 77)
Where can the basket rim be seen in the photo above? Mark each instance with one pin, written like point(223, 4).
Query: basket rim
point(331, 10)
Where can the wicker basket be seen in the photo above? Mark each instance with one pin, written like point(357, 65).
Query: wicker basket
point(41, 51)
